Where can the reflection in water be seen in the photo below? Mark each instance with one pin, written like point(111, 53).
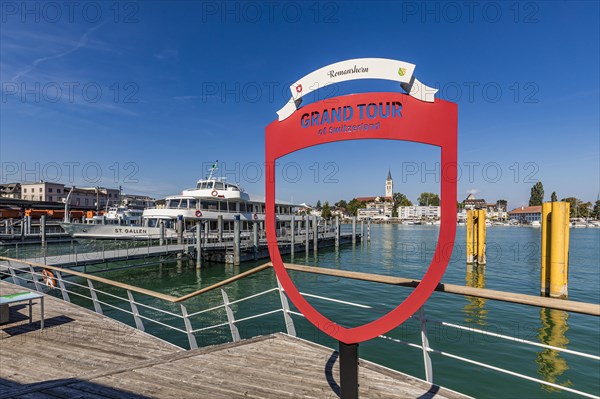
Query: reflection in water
point(475, 308)
point(553, 332)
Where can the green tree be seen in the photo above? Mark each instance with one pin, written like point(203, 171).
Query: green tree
point(537, 194)
point(596, 210)
point(354, 206)
point(326, 211)
point(341, 204)
point(318, 206)
point(553, 197)
point(429, 199)
point(399, 200)
point(579, 209)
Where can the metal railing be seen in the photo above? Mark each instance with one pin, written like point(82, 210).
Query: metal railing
point(14, 269)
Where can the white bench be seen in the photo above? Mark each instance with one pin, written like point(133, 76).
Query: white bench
point(5, 300)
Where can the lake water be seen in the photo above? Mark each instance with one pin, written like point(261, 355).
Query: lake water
point(513, 265)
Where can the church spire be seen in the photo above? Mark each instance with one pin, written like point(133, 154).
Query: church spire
point(389, 175)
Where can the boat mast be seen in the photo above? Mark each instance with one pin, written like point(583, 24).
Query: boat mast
point(212, 170)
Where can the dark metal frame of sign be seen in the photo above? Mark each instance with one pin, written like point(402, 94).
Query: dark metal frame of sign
point(415, 117)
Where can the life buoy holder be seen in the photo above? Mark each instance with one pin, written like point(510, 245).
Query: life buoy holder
point(214, 193)
point(255, 216)
point(48, 278)
point(198, 214)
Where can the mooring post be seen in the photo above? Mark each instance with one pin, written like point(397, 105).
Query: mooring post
point(255, 239)
point(161, 240)
point(28, 225)
point(292, 236)
point(362, 230)
point(43, 229)
point(198, 245)
point(306, 232)
point(481, 237)
point(369, 229)
point(220, 228)
point(179, 229)
point(236, 240)
point(348, 370)
point(353, 230)
point(337, 231)
point(555, 249)
point(470, 236)
point(315, 235)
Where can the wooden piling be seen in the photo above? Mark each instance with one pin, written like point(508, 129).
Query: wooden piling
point(353, 230)
point(255, 239)
point(236, 241)
point(292, 236)
point(369, 230)
point(315, 235)
point(220, 228)
point(307, 234)
point(43, 229)
point(198, 245)
point(337, 231)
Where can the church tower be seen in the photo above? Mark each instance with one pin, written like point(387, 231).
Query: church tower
point(389, 185)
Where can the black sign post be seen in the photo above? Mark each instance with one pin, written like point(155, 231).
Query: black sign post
point(348, 370)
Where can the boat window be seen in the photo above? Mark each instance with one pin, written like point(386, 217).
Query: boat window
point(219, 185)
point(209, 185)
point(192, 203)
point(173, 203)
point(210, 205)
point(183, 203)
point(223, 206)
point(242, 208)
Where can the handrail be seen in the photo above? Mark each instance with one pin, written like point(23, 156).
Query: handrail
point(92, 277)
point(523, 299)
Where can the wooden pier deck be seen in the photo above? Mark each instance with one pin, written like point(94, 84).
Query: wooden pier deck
point(81, 354)
point(109, 255)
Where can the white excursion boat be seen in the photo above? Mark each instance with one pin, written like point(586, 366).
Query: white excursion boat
point(119, 222)
point(216, 203)
point(213, 202)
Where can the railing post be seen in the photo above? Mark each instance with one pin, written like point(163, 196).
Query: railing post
point(13, 274)
point(34, 277)
point(139, 324)
point(289, 323)
point(61, 285)
point(188, 328)
point(97, 306)
point(235, 334)
point(425, 345)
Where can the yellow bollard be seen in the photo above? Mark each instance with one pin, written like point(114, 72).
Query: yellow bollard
point(559, 257)
point(555, 249)
point(470, 236)
point(481, 233)
point(545, 258)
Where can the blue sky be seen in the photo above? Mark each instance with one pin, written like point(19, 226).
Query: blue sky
point(147, 94)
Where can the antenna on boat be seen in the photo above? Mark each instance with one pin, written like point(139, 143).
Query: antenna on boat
point(212, 170)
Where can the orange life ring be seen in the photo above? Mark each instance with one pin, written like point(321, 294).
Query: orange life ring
point(198, 214)
point(255, 216)
point(48, 278)
point(214, 193)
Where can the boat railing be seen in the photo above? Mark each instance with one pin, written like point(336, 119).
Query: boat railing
point(172, 313)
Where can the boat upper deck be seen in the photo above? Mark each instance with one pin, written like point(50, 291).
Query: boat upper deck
point(83, 354)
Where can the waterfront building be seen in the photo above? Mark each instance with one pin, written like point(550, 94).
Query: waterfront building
point(43, 191)
point(526, 214)
point(379, 207)
point(10, 190)
point(98, 197)
point(419, 212)
point(471, 202)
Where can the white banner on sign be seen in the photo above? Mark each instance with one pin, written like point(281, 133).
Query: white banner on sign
point(359, 68)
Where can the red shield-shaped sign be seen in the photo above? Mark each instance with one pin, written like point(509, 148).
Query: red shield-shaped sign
point(356, 117)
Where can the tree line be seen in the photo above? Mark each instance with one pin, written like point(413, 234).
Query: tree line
point(578, 208)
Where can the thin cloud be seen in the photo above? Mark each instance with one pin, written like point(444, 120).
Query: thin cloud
point(167, 54)
point(82, 42)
